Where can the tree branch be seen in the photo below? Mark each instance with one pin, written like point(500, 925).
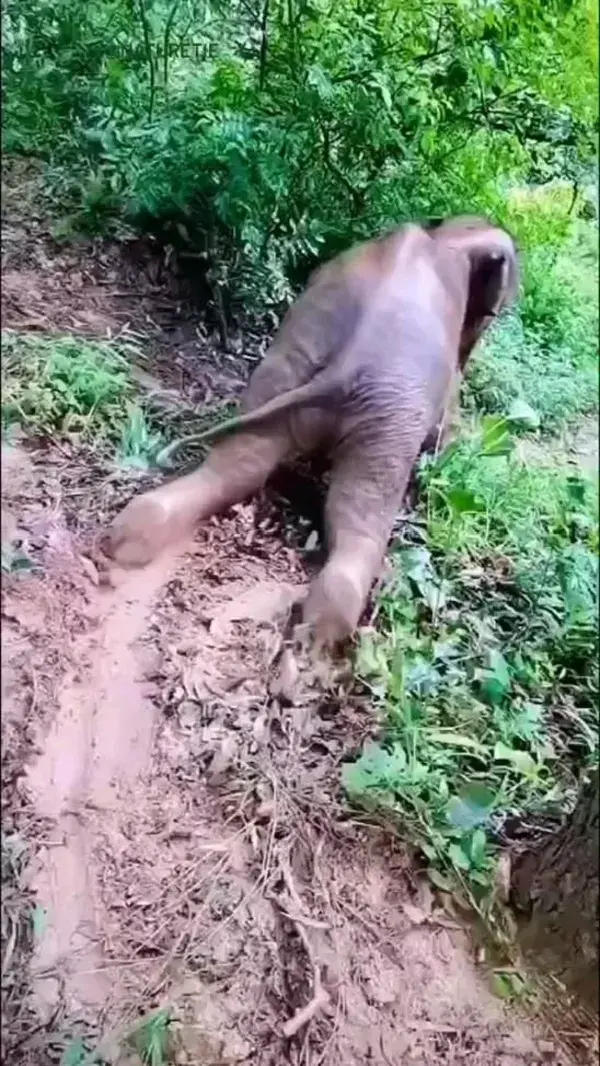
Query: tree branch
point(149, 56)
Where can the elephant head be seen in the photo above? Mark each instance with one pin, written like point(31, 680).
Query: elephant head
point(493, 272)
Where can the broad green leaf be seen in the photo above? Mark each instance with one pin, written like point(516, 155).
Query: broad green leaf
point(521, 760)
point(464, 502)
point(472, 807)
point(522, 413)
point(501, 987)
point(40, 922)
point(456, 740)
point(422, 678)
point(376, 768)
point(496, 439)
point(458, 857)
point(478, 846)
point(495, 681)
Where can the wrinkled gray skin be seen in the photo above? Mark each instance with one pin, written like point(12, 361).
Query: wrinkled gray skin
point(363, 370)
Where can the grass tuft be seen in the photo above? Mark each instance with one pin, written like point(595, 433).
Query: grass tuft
point(55, 386)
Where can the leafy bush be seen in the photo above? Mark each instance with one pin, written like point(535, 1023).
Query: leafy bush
point(485, 665)
point(258, 152)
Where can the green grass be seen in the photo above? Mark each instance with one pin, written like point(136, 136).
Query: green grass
point(546, 353)
point(149, 1039)
point(65, 385)
point(484, 667)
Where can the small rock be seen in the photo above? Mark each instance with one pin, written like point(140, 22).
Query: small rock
point(188, 713)
point(283, 685)
point(546, 1048)
point(414, 914)
point(228, 895)
point(222, 760)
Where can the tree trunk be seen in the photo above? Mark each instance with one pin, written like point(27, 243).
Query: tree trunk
point(557, 885)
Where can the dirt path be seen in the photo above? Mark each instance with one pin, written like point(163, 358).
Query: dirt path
point(190, 850)
point(100, 738)
point(198, 856)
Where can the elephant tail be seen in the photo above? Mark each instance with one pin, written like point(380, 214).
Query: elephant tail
point(324, 389)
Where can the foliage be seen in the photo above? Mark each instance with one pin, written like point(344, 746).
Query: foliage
point(67, 385)
point(258, 138)
point(485, 665)
point(545, 354)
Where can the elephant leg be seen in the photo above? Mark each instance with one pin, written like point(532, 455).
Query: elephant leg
point(235, 468)
point(439, 437)
point(361, 506)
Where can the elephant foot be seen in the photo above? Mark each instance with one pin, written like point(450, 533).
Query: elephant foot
point(145, 527)
point(333, 607)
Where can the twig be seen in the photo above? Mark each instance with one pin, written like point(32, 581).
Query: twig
point(286, 873)
point(307, 1013)
point(320, 997)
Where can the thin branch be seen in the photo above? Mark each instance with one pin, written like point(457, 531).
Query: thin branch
point(574, 197)
point(357, 195)
point(149, 56)
point(264, 42)
point(167, 40)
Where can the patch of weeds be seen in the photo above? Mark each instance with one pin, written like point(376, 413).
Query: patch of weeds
point(150, 1039)
point(64, 384)
point(16, 561)
point(81, 388)
point(140, 444)
point(508, 985)
point(485, 665)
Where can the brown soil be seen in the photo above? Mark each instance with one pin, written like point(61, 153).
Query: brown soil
point(189, 848)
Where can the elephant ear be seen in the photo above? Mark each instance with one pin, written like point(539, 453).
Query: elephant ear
point(493, 283)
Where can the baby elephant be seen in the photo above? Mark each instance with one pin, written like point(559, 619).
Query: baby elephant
point(362, 370)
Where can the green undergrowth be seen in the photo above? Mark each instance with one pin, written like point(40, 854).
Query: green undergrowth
point(484, 663)
point(68, 386)
point(542, 359)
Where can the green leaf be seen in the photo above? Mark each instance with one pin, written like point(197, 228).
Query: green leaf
point(472, 807)
point(478, 847)
point(521, 760)
point(376, 768)
point(501, 986)
point(439, 880)
point(523, 414)
point(40, 922)
point(456, 740)
point(496, 439)
point(508, 985)
point(495, 681)
point(75, 1054)
point(422, 678)
point(318, 80)
point(464, 502)
point(458, 857)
